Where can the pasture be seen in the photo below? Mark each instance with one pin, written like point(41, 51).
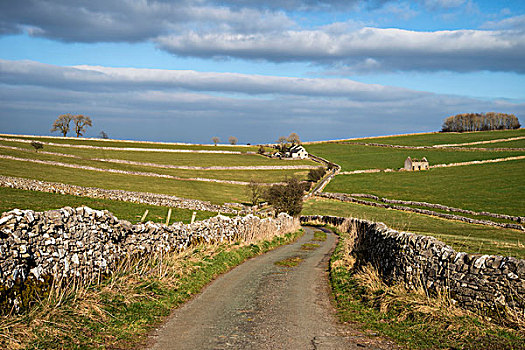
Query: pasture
point(461, 236)
point(439, 138)
point(498, 187)
point(359, 157)
point(148, 166)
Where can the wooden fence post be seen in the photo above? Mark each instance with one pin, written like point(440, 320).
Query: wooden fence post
point(169, 217)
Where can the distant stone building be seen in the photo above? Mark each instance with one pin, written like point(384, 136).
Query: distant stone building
point(416, 164)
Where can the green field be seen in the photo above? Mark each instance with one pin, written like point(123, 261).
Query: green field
point(186, 159)
point(214, 192)
point(40, 201)
point(268, 176)
point(461, 236)
point(498, 187)
point(506, 144)
point(133, 144)
point(438, 138)
point(358, 157)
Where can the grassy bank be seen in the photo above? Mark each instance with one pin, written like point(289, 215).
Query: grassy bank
point(41, 201)
point(412, 319)
point(119, 313)
point(461, 236)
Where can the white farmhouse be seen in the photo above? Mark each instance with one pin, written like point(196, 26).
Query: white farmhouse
point(298, 151)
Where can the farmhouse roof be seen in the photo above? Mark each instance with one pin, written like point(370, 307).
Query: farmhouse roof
point(297, 148)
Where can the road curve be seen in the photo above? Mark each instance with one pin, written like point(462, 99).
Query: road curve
point(259, 305)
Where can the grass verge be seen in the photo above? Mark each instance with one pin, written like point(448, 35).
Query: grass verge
point(319, 236)
point(410, 318)
point(119, 313)
point(309, 246)
point(290, 262)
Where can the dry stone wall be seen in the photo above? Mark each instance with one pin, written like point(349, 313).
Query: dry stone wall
point(440, 206)
point(84, 244)
point(473, 280)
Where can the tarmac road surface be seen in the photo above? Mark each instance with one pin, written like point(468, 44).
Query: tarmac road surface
point(259, 305)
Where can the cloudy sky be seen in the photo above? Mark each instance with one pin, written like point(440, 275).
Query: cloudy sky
point(192, 69)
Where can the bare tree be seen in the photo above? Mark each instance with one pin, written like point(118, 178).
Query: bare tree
point(255, 192)
point(103, 135)
point(215, 140)
point(282, 141)
point(287, 198)
point(81, 122)
point(37, 145)
point(62, 123)
point(294, 139)
point(232, 140)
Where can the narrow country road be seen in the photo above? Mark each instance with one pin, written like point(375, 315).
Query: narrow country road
point(260, 305)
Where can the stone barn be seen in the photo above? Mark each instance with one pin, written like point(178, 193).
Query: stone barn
point(416, 164)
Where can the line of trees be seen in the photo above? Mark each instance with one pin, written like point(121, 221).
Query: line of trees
point(480, 122)
point(232, 140)
point(80, 122)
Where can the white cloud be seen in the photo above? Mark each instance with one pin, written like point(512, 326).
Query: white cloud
point(514, 23)
point(392, 49)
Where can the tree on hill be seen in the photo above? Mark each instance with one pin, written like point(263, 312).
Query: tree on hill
point(286, 198)
point(215, 140)
point(62, 123)
point(103, 135)
point(232, 140)
point(81, 122)
point(480, 122)
point(282, 141)
point(294, 139)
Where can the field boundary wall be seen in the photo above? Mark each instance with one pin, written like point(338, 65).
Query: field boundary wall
point(475, 281)
point(84, 245)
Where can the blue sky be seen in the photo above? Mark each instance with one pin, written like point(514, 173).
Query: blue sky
point(193, 69)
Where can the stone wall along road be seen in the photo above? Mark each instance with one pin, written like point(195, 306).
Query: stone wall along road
point(475, 281)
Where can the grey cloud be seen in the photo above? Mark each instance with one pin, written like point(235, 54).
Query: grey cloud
point(368, 48)
point(121, 79)
point(127, 21)
point(133, 104)
point(305, 5)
